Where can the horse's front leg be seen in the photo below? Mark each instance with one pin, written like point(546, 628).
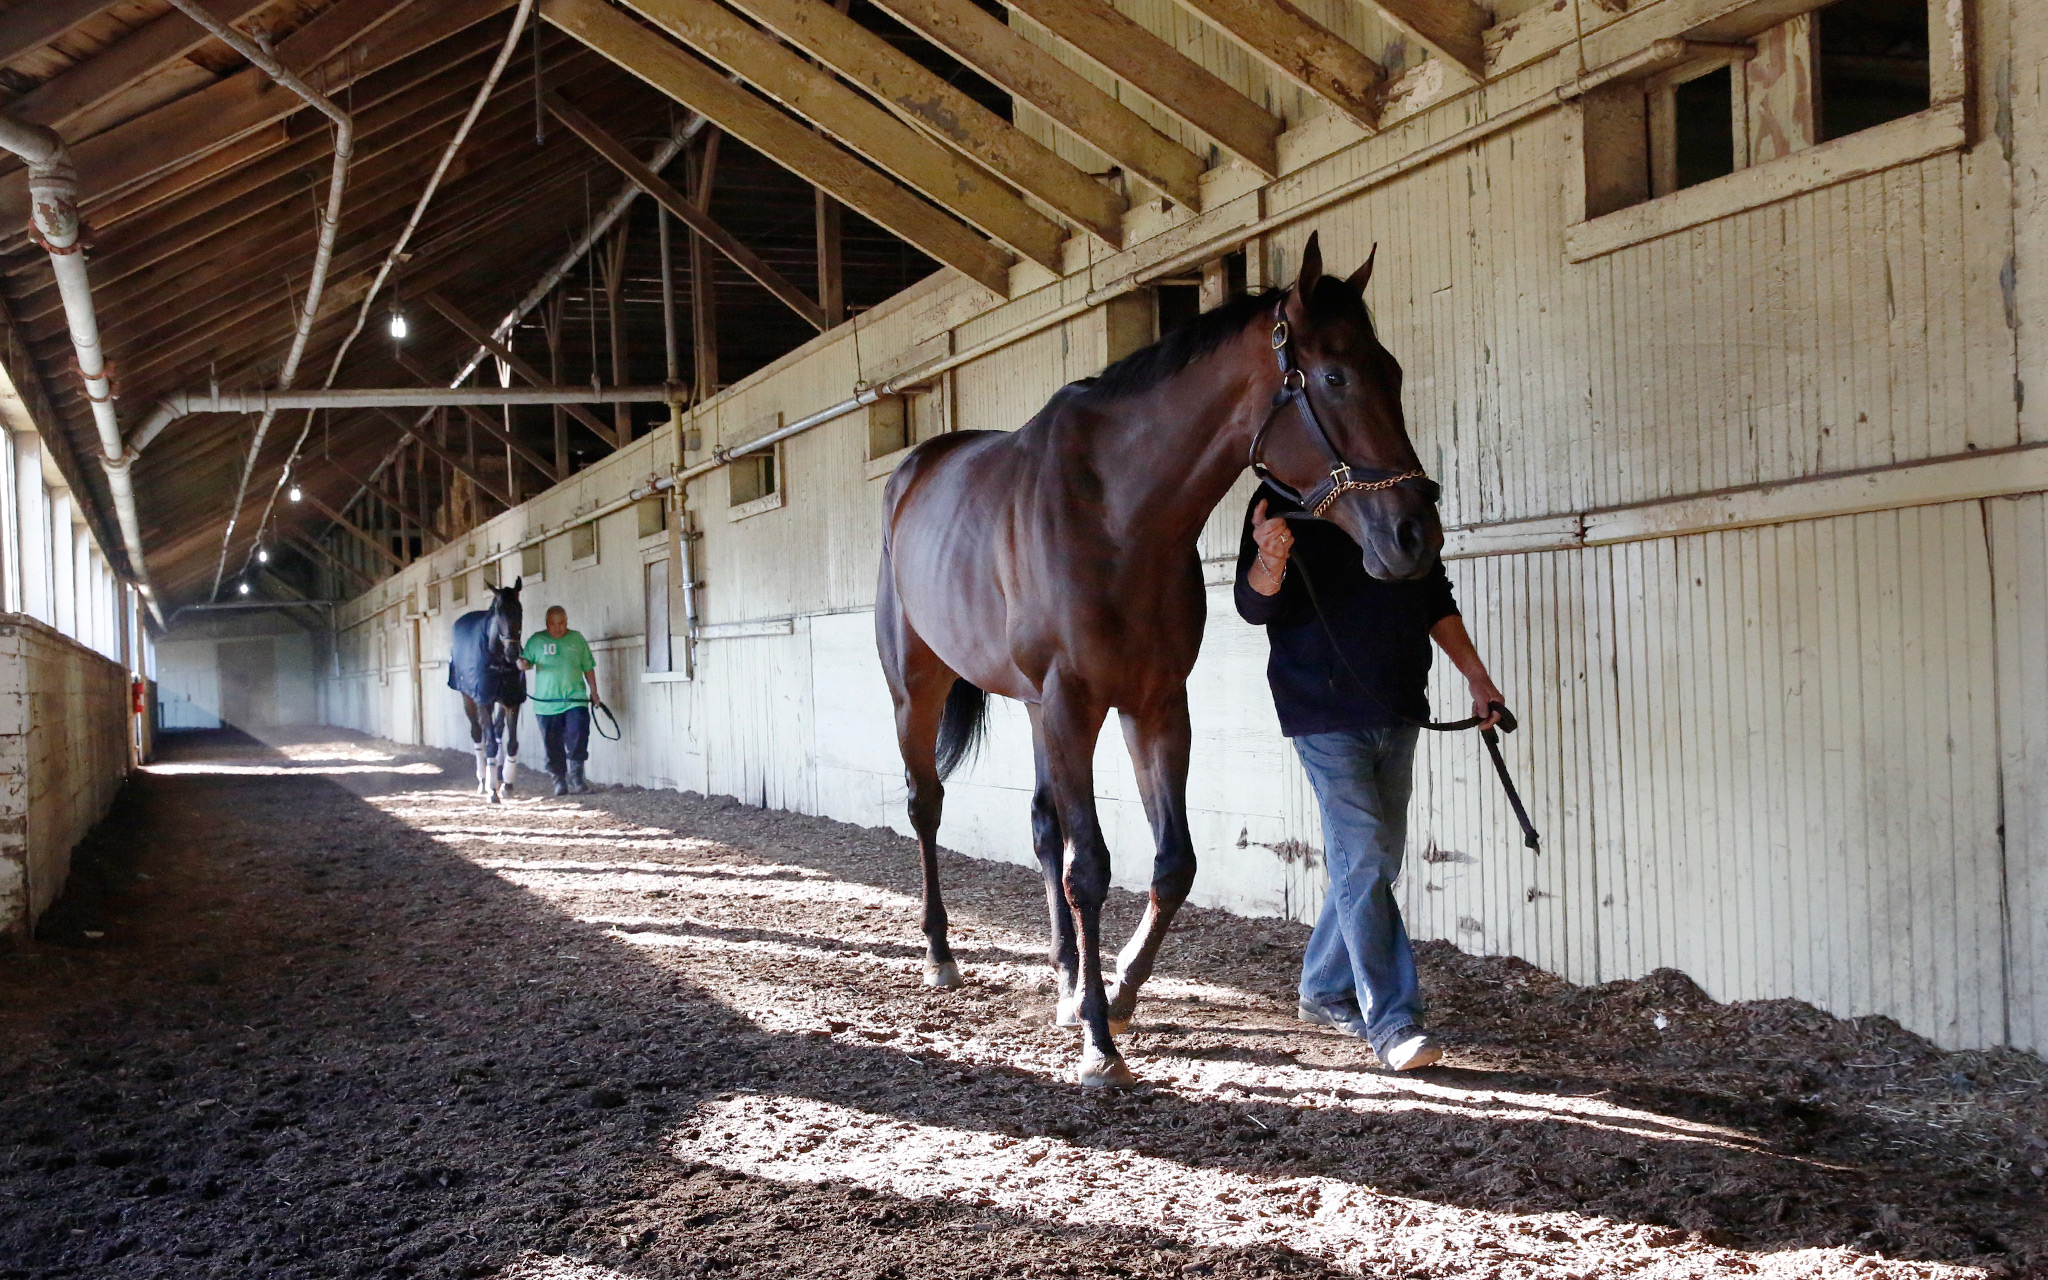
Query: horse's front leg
point(1073, 717)
point(476, 743)
point(1158, 740)
point(508, 746)
point(1050, 844)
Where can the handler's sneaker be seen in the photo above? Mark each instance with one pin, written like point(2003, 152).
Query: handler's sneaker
point(561, 785)
point(1408, 1049)
point(1344, 1017)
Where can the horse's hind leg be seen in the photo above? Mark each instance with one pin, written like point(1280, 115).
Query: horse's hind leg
point(918, 684)
point(1158, 741)
point(1050, 845)
point(476, 742)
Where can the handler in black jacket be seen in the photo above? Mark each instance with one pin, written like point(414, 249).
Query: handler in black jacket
point(1352, 716)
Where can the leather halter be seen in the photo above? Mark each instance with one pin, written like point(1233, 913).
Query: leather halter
point(1343, 478)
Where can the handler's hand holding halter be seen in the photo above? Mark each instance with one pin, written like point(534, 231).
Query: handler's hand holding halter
point(1343, 479)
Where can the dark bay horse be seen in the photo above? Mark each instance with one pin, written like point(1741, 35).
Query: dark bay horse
point(1057, 565)
point(483, 666)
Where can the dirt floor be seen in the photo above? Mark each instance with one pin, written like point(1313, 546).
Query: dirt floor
point(315, 1010)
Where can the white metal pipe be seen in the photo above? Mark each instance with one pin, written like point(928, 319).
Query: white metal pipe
point(53, 205)
point(323, 252)
point(419, 212)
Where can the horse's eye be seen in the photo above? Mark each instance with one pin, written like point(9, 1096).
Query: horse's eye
point(1334, 378)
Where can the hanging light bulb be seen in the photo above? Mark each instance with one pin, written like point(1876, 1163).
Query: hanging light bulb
point(397, 325)
point(243, 588)
point(263, 555)
point(295, 495)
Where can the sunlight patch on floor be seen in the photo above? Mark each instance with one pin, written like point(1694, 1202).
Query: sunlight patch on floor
point(345, 752)
point(801, 1140)
point(534, 1266)
point(187, 769)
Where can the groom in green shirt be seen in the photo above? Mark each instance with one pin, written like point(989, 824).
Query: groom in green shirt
point(564, 691)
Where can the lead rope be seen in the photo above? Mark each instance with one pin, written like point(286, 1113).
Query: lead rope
point(1508, 723)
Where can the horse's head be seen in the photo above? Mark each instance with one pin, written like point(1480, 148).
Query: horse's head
point(1346, 441)
point(506, 623)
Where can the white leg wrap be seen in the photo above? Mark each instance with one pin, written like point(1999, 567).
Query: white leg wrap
point(483, 772)
point(508, 767)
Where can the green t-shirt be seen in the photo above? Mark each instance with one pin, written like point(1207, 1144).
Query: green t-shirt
point(558, 667)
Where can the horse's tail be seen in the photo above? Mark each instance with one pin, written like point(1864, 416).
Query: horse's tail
point(962, 726)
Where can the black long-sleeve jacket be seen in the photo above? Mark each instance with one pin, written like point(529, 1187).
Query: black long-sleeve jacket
point(1382, 626)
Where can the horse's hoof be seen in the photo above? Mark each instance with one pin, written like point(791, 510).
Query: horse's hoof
point(1121, 1012)
point(495, 800)
point(1103, 1071)
point(945, 976)
point(1067, 1013)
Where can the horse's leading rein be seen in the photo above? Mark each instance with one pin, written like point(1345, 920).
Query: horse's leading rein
point(1342, 479)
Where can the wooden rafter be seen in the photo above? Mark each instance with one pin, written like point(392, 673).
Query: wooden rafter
point(27, 27)
point(1454, 30)
point(1073, 101)
point(476, 333)
point(1162, 73)
point(1303, 50)
point(697, 220)
point(909, 155)
point(307, 546)
point(450, 457)
point(483, 422)
point(902, 84)
point(354, 530)
point(761, 126)
point(326, 52)
point(137, 56)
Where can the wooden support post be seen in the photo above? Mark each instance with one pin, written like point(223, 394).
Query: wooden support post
point(703, 167)
point(831, 274)
point(551, 324)
point(671, 358)
point(614, 264)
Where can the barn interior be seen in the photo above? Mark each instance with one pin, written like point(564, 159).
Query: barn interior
point(325, 318)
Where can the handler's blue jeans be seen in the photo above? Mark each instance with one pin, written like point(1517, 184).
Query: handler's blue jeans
point(566, 737)
point(1359, 951)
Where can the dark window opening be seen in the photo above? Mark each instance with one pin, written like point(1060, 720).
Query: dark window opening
point(1874, 59)
point(1703, 128)
point(1178, 304)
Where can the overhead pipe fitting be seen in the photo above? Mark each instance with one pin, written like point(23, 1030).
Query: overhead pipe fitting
point(183, 403)
point(53, 204)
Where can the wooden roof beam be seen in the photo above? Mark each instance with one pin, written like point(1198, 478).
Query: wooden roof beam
point(842, 175)
point(926, 100)
point(1303, 50)
point(353, 529)
point(483, 420)
point(323, 52)
point(135, 57)
point(29, 26)
point(307, 546)
point(1164, 74)
point(450, 457)
point(909, 155)
point(1072, 100)
point(478, 335)
point(688, 213)
point(1454, 30)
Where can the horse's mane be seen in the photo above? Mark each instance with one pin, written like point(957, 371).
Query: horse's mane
point(1147, 367)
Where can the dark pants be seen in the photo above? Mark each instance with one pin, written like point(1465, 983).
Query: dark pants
point(567, 737)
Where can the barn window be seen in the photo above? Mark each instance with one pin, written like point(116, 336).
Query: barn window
point(888, 426)
point(583, 545)
point(458, 589)
point(533, 562)
point(1707, 132)
point(652, 515)
point(433, 597)
point(1175, 302)
point(660, 656)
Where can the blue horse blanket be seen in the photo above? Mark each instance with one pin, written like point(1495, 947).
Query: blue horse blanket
point(478, 673)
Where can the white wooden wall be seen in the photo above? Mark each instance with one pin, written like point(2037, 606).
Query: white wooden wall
point(1799, 759)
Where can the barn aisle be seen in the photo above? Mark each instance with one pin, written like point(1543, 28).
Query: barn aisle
point(312, 1009)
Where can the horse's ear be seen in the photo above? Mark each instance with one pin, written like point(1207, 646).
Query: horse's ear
point(1305, 283)
point(1363, 276)
point(516, 581)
